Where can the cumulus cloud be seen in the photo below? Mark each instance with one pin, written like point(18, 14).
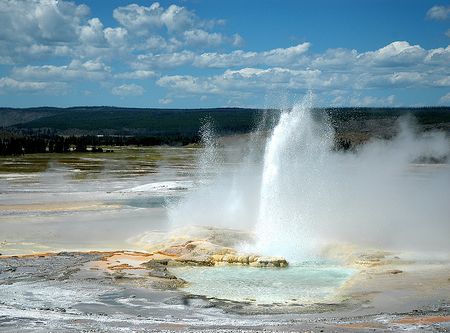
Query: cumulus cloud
point(39, 29)
point(154, 21)
point(9, 85)
point(399, 53)
point(116, 37)
point(275, 57)
point(136, 75)
point(335, 58)
point(93, 33)
point(177, 18)
point(190, 84)
point(397, 56)
point(142, 20)
point(139, 19)
point(128, 90)
point(398, 65)
point(202, 37)
point(43, 30)
point(91, 70)
point(167, 45)
point(164, 60)
point(235, 82)
point(44, 20)
point(439, 13)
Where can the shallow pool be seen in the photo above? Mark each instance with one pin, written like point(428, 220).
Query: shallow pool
point(305, 283)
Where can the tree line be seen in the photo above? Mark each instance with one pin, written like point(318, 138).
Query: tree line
point(31, 144)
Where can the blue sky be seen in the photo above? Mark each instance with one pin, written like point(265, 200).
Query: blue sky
point(199, 53)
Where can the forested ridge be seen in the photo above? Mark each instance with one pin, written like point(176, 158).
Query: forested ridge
point(78, 129)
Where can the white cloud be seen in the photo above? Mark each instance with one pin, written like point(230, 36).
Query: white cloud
point(439, 13)
point(188, 83)
point(44, 22)
point(116, 37)
point(139, 19)
point(128, 90)
point(445, 99)
point(439, 56)
point(165, 101)
point(405, 78)
point(143, 20)
point(364, 101)
point(247, 80)
point(397, 65)
point(40, 29)
point(238, 41)
point(335, 58)
point(202, 37)
point(177, 18)
point(288, 55)
point(443, 82)
point(183, 26)
point(11, 86)
point(168, 45)
point(159, 44)
point(395, 54)
point(91, 70)
point(92, 33)
point(164, 60)
point(275, 57)
point(136, 75)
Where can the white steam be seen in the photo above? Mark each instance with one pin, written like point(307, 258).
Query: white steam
point(298, 194)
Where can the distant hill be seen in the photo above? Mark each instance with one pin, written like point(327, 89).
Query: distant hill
point(127, 121)
point(87, 120)
point(82, 129)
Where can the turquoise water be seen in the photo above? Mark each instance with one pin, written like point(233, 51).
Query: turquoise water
point(305, 283)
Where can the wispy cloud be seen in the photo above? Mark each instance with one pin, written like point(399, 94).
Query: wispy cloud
point(128, 90)
point(439, 13)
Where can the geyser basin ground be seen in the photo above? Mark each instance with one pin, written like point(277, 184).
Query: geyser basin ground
point(306, 283)
point(114, 292)
point(378, 196)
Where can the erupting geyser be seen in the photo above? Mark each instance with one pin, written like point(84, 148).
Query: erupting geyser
point(298, 194)
point(293, 156)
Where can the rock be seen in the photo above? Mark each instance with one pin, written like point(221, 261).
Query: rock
point(203, 246)
point(394, 271)
point(205, 253)
point(222, 237)
point(269, 262)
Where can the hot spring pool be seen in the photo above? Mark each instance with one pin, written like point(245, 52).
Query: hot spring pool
point(305, 283)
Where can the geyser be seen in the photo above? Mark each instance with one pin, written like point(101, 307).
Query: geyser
point(298, 194)
point(294, 154)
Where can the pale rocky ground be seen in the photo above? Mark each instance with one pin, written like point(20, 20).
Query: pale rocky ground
point(135, 291)
point(80, 204)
